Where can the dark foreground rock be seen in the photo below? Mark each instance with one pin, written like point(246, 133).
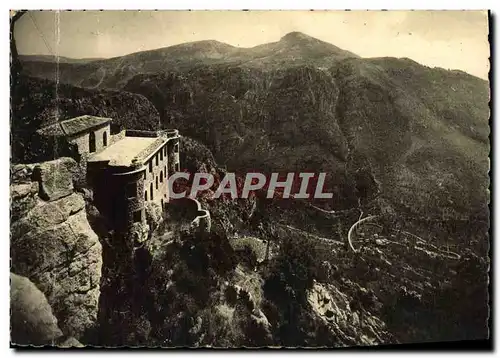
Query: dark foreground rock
point(31, 318)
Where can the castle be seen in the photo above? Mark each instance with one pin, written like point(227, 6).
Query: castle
point(125, 170)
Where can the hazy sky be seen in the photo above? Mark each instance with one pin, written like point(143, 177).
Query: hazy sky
point(448, 39)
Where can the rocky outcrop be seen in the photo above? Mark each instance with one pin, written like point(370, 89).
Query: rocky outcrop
point(53, 244)
point(31, 317)
point(337, 309)
point(55, 178)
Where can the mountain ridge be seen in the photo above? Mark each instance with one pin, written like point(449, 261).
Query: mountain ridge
point(292, 49)
point(53, 58)
point(294, 38)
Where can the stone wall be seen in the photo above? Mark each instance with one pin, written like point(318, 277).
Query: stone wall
point(135, 204)
point(118, 136)
point(82, 139)
point(151, 149)
point(141, 133)
point(195, 218)
point(118, 194)
point(173, 149)
point(203, 221)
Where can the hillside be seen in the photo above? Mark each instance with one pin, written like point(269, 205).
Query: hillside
point(421, 132)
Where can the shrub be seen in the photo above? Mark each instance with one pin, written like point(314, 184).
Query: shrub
point(244, 297)
point(231, 295)
point(154, 215)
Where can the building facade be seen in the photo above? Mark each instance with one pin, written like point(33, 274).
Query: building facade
point(132, 172)
point(125, 170)
point(89, 133)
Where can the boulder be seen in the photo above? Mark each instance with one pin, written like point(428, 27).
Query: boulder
point(55, 178)
point(31, 318)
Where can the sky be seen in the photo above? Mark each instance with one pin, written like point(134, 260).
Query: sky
point(447, 39)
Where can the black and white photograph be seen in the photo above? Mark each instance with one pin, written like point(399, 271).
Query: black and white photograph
point(249, 179)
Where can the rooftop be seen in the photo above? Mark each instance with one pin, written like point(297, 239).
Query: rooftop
point(122, 152)
point(74, 125)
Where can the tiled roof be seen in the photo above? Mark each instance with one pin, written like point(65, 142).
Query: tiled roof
point(82, 123)
point(52, 130)
point(74, 125)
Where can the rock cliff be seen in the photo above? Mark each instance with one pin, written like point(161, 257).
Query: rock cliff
point(52, 243)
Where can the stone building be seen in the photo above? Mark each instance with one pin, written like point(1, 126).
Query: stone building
point(126, 169)
point(132, 171)
point(90, 134)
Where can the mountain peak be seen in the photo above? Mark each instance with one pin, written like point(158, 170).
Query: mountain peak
point(296, 35)
point(300, 40)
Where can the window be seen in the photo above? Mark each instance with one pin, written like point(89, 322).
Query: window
point(156, 159)
point(137, 216)
point(156, 182)
point(131, 190)
point(105, 139)
point(161, 176)
point(92, 142)
point(146, 195)
point(165, 150)
point(176, 148)
point(151, 191)
point(161, 154)
point(151, 166)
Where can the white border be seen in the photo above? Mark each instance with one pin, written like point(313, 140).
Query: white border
point(256, 5)
point(180, 4)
